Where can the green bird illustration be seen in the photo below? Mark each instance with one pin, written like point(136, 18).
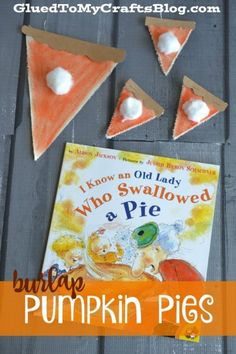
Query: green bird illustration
point(146, 234)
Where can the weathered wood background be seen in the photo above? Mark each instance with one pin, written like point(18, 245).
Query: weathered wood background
point(27, 188)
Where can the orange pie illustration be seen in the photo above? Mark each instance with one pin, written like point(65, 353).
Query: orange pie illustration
point(133, 109)
point(196, 106)
point(169, 38)
point(63, 74)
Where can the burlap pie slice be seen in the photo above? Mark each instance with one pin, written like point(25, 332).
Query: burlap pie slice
point(151, 110)
point(192, 91)
point(88, 63)
point(181, 29)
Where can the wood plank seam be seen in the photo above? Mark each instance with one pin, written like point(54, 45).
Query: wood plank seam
point(18, 118)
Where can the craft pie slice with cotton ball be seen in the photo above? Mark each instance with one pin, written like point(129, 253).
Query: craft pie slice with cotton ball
point(134, 108)
point(169, 38)
point(63, 74)
point(196, 106)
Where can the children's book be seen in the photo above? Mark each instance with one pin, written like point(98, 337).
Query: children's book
point(130, 216)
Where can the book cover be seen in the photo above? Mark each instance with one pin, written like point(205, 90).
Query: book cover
point(129, 216)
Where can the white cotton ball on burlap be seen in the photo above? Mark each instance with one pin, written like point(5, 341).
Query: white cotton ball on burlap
point(168, 43)
point(196, 110)
point(60, 81)
point(131, 108)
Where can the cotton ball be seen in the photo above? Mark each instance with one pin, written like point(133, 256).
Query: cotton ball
point(131, 108)
point(60, 81)
point(196, 110)
point(168, 43)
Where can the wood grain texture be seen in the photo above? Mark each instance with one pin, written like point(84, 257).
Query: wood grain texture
point(48, 345)
point(5, 144)
point(229, 201)
point(10, 53)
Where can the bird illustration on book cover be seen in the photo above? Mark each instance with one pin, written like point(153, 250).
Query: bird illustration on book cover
point(129, 216)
